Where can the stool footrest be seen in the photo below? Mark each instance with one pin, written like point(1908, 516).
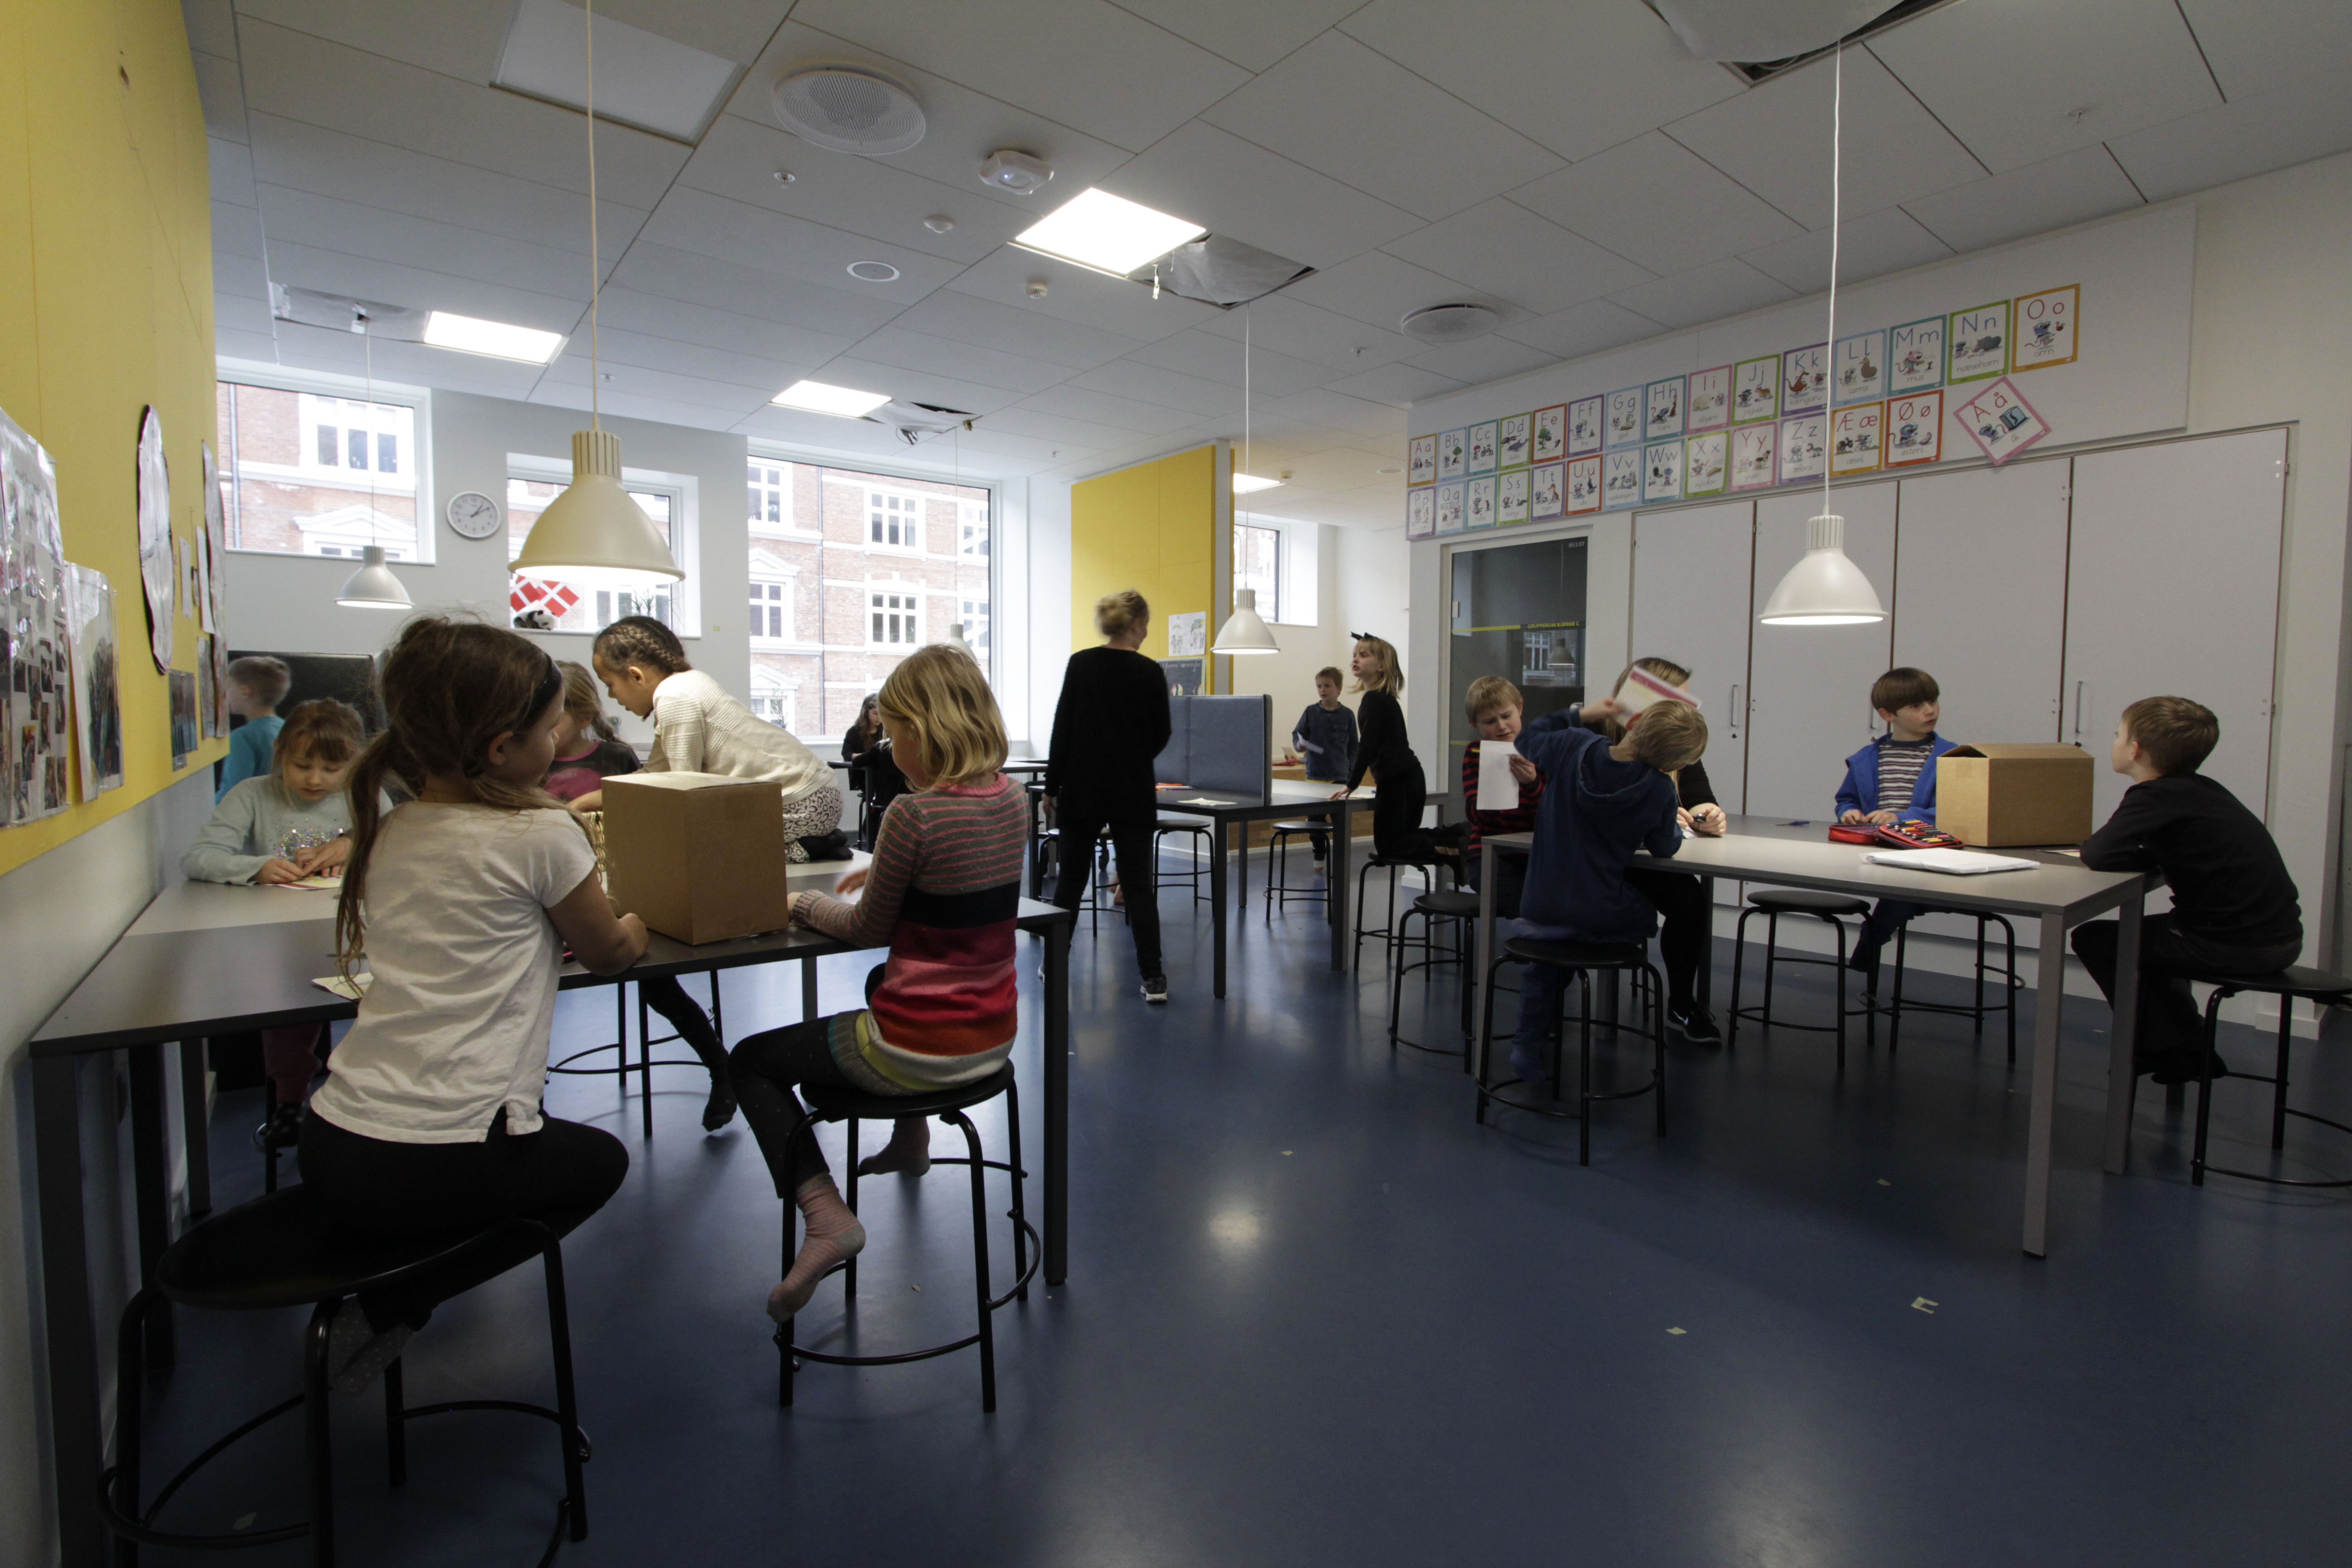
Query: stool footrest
point(1036, 1256)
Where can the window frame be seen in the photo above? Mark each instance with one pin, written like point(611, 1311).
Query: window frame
point(1298, 551)
point(1273, 612)
point(684, 533)
point(915, 593)
point(775, 574)
point(922, 500)
point(418, 400)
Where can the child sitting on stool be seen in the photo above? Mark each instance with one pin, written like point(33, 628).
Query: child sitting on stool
point(1893, 779)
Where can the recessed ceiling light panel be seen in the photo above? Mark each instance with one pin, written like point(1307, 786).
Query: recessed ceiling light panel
point(1450, 323)
point(499, 340)
point(1107, 233)
point(842, 402)
point(849, 109)
point(1246, 483)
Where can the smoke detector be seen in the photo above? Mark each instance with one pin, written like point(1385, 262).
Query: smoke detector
point(1450, 323)
point(849, 109)
point(1022, 173)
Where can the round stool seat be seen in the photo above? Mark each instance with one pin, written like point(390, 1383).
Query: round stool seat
point(2314, 985)
point(1178, 819)
point(1452, 901)
point(1374, 862)
point(837, 1103)
point(1804, 901)
point(282, 1250)
point(1576, 955)
point(1302, 826)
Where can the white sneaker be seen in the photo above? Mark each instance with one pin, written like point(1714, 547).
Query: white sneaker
point(1155, 988)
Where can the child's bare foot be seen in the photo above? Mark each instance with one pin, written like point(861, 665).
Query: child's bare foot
point(908, 1153)
point(833, 1236)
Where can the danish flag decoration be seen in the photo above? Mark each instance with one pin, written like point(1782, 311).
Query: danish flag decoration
point(530, 593)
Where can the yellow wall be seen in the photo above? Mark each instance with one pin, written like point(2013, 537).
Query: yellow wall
point(106, 306)
point(1151, 528)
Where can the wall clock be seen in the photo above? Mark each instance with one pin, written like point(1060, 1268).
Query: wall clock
point(473, 515)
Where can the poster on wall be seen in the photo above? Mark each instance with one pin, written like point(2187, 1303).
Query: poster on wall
point(1453, 453)
point(1188, 635)
point(97, 701)
point(156, 536)
point(1584, 484)
point(1805, 447)
point(2045, 328)
point(1185, 677)
point(1482, 448)
point(216, 542)
point(1512, 497)
point(1550, 442)
point(1855, 439)
point(1710, 399)
point(1914, 355)
point(1662, 471)
point(36, 632)
point(1450, 508)
point(1482, 503)
point(204, 686)
point(1704, 461)
point(1977, 344)
point(1511, 439)
point(1756, 390)
point(1549, 499)
point(1625, 418)
point(1752, 453)
point(1419, 513)
point(1421, 460)
point(1584, 417)
point(183, 717)
point(1663, 400)
point(1620, 480)
point(218, 722)
point(1915, 429)
point(1804, 379)
point(2000, 422)
point(1858, 368)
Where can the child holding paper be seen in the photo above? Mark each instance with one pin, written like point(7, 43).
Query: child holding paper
point(1493, 705)
point(1893, 779)
point(1325, 737)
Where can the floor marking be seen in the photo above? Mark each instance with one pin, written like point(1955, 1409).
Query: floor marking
point(1921, 1304)
point(1885, 1182)
point(1678, 1330)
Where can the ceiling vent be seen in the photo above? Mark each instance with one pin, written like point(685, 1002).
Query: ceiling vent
point(1450, 323)
point(344, 313)
point(849, 109)
point(1220, 271)
point(916, 423)
point(1757, 43)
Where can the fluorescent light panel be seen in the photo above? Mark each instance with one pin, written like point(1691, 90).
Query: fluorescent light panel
point(842, 402)
point(469, 334)
point(1244, 483)
point(1107, 233)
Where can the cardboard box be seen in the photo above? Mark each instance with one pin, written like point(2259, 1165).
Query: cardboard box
point(1993, 795)
point(697, 857)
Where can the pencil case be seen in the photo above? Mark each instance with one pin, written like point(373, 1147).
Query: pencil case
point(1853, 835)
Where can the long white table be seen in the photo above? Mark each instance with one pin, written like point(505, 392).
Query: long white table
point(2058, 891)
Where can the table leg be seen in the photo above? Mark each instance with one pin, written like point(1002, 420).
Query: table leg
point(1241, 866)
point(195, 1128)
point(73, 1392)
point(1487, 862)
point(1057, 1101)
point(151, 1166)
point(2121, 1068)
point(2049, 1003)
point(1705, 983)
point(1342, 887)
point(1218, 907)
point(808, 991)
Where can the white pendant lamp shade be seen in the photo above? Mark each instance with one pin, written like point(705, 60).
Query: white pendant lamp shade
point(1825, 588)
point(372, 586)
point(1244, 632)
point(594, 535)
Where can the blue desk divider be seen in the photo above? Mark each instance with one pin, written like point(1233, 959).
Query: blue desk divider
point(1218, 744)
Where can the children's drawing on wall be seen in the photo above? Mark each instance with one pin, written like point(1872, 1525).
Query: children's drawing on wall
point(1805, 447)
point(1421, 460)
point(1419, 513)
point(183, 717)
point(1752, 450)
point(97, 696)
point(1511, 498)
point(1664, 403)
point(2000, 422)
point(1482, 448)
point(1550, 497)
point(1915, 427)
point(1855, 439)
point(1703, 464)
point(1584, 484)
point(1620, 480)
point(1662, 471)
point(1450, 508)
point(155, 564)
point(35, 630)
point(1452, 452)
point(1482, 503)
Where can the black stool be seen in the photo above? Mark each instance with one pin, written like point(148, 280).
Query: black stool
point(1583, 960)
point(832, 1102)
point(2289, 985)
point(280, 1251)
point(645, 1064)
point(1386, 933)
point(1198, 872)
point(1458, 909)
point(2010, 983)
point(1278, 891)
point(1831, 909)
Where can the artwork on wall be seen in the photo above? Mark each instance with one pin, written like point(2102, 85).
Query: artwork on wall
point(1977, 344)
point(1855, 434)
point(1421, 460)
point(1188, 635)
point(97, 698)
point(1512, 497)
point(1549, 499)
point(1482, 448)
point(1662, 471)
point(1584, 417)
point(156, 536)
point(1511, 439)
point(1662, 401)
point(1756, 390)
point(1419, 513)
point(1453, 454)
point(1804, 379)
point(1550, 441)
point(1584, 484)
point(36, 632)
point(2000, 422)
point(1710, 399)
point(1805, 447)
point(1620, 478)
point(1704, 459)
point(1858, 368)
point(216, 721)
point(1482, 503)
point(1914, 355)
point(183, 717)
point(216, 543)
point(1450, 507)
point(1625, 414)
point(205, 685)
point(1915, 429)
point(2045, 328)
point(1753, 448)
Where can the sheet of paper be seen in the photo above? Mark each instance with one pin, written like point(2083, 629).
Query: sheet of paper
point(350, 990)
point(1952, 862)
point(319, 884)
point(1497, 790)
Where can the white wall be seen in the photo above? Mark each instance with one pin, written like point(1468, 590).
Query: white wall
point(1288, 677)
point(1047, 546)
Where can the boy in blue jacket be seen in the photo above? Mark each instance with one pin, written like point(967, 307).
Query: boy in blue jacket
point(1602, 804)
point(1893, 779)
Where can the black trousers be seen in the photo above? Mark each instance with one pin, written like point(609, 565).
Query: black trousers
point(665, 996)
point(1686, 927)
point(768, 1067)
point(1132, 844)
point(2170, 1030)
point(558, 1176)
point(1397, 832)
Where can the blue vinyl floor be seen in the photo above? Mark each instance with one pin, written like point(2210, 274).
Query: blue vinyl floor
point(1315, 1316)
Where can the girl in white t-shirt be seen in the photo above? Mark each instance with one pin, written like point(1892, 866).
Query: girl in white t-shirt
point(464, 896)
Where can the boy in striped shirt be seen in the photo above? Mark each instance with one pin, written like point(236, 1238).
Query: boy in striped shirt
point(1893, 779)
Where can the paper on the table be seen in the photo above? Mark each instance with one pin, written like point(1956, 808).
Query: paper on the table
point(350, 990)
point(1202, 800)
point(1497, 790)
point(1950, 862)
point(310, 884)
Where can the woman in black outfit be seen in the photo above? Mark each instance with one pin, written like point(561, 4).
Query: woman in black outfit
point(873, 773)
point(1381, 748)
point(1110, 729)
point(862, 737)
point(1685, 916)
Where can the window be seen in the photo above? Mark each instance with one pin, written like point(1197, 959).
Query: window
point(770, 622)
point(973, 613)
point(894, 520)
point(1257, 565)
point(772, 494)
point(897, 616)
point(772, 699)
point(971, 527)
point(314, 471)
point(574, 609)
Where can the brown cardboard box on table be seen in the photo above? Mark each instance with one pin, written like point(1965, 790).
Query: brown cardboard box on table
point(2017, 793)
point(699, 857)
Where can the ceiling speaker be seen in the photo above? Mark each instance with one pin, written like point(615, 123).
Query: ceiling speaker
point(849, 109)
point(1450, 323)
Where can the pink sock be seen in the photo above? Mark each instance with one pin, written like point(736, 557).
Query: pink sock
point(833, 1235)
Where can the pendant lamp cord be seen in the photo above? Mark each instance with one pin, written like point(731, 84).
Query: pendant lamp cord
point(1246, 397)
point(595, 262)
point(1837, 143)
point(367, 362)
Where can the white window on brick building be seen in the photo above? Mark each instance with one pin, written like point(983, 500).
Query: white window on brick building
point(894, 518)
point(971, 527)
point(770, 620)
point(772, 494)
point(895, 615)
point(773, 698)
point(307, 470)
point(973, 614)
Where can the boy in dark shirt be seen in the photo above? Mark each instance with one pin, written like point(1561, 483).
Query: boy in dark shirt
point(2233, 905)
point(1325, 737)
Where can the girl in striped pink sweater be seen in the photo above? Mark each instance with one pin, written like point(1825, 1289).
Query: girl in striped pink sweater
point(942, 893)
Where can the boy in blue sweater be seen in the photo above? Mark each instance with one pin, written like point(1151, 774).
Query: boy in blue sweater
point(1602, 804)
point(256, 685)
point(1325, 737)
point(1893, 779)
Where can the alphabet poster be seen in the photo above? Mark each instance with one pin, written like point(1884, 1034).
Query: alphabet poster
point(1914, 355)
point(1753, 448)
point(1855, 434)
point(1450, 508)
point(1421, 460)
point(1664, 402)
point(1915, 429)
point(1511, 497)
point(1662, 471)
point(1511, 441)
point(1550, 442)
point(2045, 328)
point(1858, 368)
point(1710, 399)
point(1704, 458)
point(1756, 390)
point(1482, 448)
point(1584, 484)
point(1804, 379)
point(1584, 427)
point(1805, 447)
point(1419, 513)
point(1620, 478)
point(1482, 503)
point(2000, 422)
point(1550, 499)
point(1980, 343)
point(1452, 452)
point(1625, 415)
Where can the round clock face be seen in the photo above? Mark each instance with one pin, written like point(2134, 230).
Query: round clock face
point(473, 514)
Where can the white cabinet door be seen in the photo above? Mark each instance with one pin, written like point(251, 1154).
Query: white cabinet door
point(1691, 570)
point(2172, 590)
point(1980, 596)
point(1811, 704)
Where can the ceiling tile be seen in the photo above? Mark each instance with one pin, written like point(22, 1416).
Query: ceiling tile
point(453, 38)
point(1350, 112)
point(338, 272)
point(1576, 78)
point(221, 89)
point(2307, 118)
point(2094, 68)
point(624, 380)
point(237, 231)
point(1213, 356)
point(1490, 358)
point(2253, 48)
point(1132, 414)
point(704, 363)
point(908, 385)
point(1775, 139)
point(626, 405)
point(1723, 288)
point(894, 345)
point(212, 26)
point(1381, 290)
point(736, 29)
point(1871, 247)
point(230, 343)
point(824, 433)
point(1154, 383)
point(1252, 34)
point(705, 280)
point(1076, 436)
point(968, 319)
point(1291, 326)
point(694, 325)
point(323, 223)
point(1584, 328)
point(1235, 187)
point(233, 314)
point(991, 439)
point(1396, 384)
point(243, 276)
point(231, 164)
point(320, 347)
point(1085, 63)
point(734, 231)
point(2070, 188)
point(1503, 248)
point(1655, 201)
point(1357, 418)
point(1075, 294)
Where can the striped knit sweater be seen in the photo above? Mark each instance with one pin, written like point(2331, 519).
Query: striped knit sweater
point(942, 893)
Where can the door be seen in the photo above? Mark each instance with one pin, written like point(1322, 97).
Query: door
point(1980, 596)
point(1811, 705)
point(1691, 571)
point(2172, 590)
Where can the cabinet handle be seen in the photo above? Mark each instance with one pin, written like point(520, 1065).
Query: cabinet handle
point(1736, 711)
point(2078, 712)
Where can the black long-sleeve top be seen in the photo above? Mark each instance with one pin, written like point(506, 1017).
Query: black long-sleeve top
point(1380, 745)
point(2229, 883)
point(1109, 726)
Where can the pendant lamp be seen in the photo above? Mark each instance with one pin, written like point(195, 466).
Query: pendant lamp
point(372, 586)
point(1244, 632)
point(594, 535)
point(1825, 588)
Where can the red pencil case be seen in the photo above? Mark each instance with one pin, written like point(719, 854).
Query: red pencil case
point(1864, 834)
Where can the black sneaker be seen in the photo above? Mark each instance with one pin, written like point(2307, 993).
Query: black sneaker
point(1695, 1023)
point(1155, 988)
point(282, 1130)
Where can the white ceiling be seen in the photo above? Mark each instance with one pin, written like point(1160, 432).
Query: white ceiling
point(1568, 165)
